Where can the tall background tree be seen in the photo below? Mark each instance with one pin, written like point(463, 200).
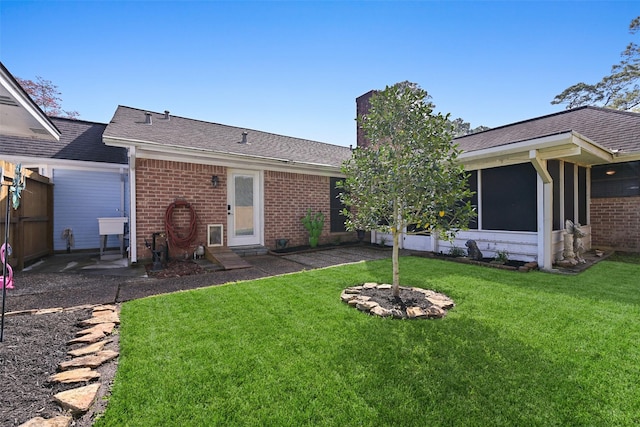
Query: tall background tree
point(619, 90)
point(47, 96)
point(408, 173)
point(462, 128)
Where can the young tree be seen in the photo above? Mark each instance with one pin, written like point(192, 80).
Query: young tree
point(46, 95)
point(408, 173)
point(619, 90)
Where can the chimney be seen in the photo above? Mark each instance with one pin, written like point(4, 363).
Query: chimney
point(147, 119)
point(166, 115)
point(362, 108)
point(244, 137)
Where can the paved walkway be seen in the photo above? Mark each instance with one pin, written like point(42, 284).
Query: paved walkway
point(69, 280)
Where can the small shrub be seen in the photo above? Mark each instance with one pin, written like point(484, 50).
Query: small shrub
point(502, 256)
point(455, 251)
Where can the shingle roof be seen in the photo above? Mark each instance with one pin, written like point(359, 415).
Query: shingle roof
point(129, 124)
point(79, 140)
point(612, 129)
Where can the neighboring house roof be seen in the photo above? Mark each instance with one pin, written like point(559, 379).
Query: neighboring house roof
point(611, 129)
point(79, 140)
point(129, 128)
point(19, 115)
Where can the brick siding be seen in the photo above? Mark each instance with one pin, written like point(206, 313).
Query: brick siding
point(615, 223)
point(159, 183)
point(286, 200)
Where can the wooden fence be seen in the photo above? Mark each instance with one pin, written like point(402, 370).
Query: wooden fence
point(31, 225)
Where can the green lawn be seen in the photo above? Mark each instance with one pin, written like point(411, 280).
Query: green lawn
point(518, 349)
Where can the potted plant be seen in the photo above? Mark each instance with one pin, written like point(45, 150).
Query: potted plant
point(313, 223)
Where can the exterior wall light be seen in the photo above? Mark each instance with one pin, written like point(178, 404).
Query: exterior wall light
point(214, 180)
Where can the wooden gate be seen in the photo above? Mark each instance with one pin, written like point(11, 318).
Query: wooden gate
point(31, 225)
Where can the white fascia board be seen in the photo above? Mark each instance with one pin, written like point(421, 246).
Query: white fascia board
point(592, 147)
point(28, 162)
point(151, 150)
point(508, 150)
point(568, 143)
point(27, 103)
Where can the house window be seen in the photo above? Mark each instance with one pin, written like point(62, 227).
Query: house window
point(615, 180)
point(509, 198)
point(336, 218)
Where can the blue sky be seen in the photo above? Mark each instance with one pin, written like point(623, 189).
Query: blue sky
point(296, 67)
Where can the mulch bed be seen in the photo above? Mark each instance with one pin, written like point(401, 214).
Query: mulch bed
point(175, 268)
point(33, 346)
point(408, 298)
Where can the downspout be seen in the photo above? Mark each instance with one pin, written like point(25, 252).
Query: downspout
point(545, 211)
point(133, 247)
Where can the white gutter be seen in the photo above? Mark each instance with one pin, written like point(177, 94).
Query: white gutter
point(157, 151)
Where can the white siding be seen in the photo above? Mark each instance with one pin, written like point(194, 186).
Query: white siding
point(80, 197)
point(521, 245)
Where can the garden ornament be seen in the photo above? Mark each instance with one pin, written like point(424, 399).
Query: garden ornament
point(573, 246)
point(473, 251)
point(5, 250)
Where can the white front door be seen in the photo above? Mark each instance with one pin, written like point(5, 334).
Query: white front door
point(244, 210)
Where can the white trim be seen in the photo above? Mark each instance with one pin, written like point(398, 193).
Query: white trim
point(156, 151)
point(210, 227)
point(559, 146)
point(257, 238)
point(25, 102)
point(47, 164)
point(133, 214)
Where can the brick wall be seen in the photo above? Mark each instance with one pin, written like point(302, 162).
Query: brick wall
point(615, 223)
point(287, 198)
point(159, 183)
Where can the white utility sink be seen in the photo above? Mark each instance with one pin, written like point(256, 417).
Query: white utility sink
point(113, 225)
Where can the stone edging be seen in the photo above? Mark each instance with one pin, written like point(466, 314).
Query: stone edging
point(438, 303)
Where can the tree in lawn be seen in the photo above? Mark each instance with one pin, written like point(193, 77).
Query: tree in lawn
point(47, 96)
point(408, 172)
point(620, 90)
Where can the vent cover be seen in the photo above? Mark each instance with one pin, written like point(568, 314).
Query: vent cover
point(6, 100)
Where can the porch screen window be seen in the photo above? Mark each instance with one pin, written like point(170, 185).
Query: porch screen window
point(615, 180)
point(509, 198)
point(553, 166)
point(569, 193)
point(472, 180)
point(336, 218)
point(582, 195)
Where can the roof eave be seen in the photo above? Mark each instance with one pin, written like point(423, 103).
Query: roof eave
point(11, 85)
point(569, 146)
point(156, 150)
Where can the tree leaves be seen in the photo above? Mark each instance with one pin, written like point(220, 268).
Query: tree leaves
point(408, 173)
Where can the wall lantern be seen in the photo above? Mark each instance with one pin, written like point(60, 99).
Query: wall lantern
point(214, 180)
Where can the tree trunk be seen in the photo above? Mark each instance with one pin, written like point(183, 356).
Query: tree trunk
point(396, 265)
